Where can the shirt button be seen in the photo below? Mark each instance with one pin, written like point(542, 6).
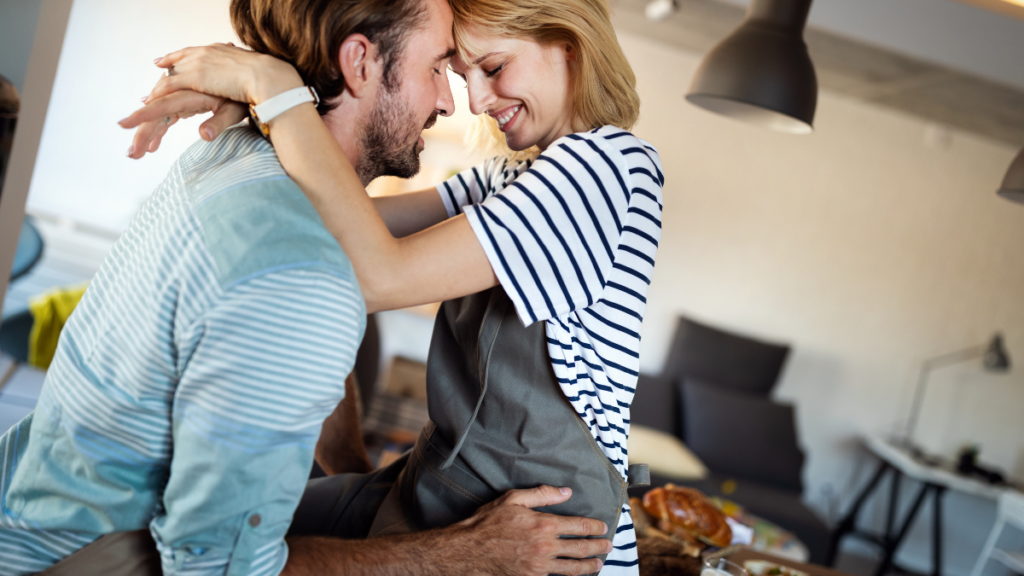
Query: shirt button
point(255, 520)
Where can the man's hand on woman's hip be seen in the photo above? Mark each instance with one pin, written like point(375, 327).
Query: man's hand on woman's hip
point(503, 538)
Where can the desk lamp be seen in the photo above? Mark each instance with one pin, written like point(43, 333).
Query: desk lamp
point(1013, 185)
point(994, 359)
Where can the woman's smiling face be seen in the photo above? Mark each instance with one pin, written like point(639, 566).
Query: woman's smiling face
point(524, 85)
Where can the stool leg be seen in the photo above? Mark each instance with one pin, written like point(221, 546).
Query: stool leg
point(990, 545)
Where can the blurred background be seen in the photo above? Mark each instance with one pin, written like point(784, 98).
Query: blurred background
point(868, 247)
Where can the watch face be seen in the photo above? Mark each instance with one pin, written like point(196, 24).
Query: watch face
point(255, 120)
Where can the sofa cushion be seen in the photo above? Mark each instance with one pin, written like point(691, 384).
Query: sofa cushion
point(743, 435)
point(704, 353)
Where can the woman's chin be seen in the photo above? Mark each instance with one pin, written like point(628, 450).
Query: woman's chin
point(517, 144)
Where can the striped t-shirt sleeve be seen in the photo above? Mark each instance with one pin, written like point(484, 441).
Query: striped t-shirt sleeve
point(267, 366)
point(551, 235)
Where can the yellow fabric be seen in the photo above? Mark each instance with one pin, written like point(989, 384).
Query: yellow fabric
point(50, 311)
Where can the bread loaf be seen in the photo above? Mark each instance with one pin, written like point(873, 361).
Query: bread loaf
point(689, 510)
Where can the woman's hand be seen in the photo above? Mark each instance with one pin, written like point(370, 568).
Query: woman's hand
point(158, 115)
point(226, 71)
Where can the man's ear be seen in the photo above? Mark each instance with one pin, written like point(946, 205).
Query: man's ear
point(359, 65)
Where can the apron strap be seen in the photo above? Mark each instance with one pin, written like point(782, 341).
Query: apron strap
point(638, 475)
point(493, 322)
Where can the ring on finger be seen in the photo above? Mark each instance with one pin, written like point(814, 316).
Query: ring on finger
point(167, 120)
point(170, 70)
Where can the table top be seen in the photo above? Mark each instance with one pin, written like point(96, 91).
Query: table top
point(743, 554)
point(944, 476)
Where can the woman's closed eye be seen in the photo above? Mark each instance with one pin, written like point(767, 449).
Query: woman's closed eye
point(495, 72)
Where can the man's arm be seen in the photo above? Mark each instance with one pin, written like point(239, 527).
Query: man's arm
point(504, 538)
point(340, 448)
point(265, 369)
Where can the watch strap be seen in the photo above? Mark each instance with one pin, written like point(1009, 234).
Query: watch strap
point(266, 111)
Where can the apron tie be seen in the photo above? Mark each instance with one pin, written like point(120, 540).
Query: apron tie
point(485, 362)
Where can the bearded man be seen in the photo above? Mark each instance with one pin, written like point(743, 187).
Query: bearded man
point(189, 388)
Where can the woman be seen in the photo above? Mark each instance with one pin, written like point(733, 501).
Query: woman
point(559, 233)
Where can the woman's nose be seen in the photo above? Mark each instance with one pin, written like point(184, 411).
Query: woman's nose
point(480, 96)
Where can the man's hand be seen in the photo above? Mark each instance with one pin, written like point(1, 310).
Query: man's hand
point(507, 538)
point(503, 538)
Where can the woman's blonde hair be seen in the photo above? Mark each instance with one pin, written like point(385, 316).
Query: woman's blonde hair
point(603, 82)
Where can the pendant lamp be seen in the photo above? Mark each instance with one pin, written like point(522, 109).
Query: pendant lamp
point(762, 73)
point(1013, 185)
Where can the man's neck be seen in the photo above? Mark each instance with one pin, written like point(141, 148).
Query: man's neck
point(346, 130)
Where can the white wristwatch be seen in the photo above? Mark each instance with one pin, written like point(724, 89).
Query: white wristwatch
point(266, 111)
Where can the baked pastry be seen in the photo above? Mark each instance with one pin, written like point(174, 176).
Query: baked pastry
point(685, 511)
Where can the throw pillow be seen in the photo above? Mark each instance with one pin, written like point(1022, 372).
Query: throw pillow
point(664, 454)
point(742, 435)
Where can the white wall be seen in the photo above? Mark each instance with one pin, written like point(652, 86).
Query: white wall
point(865, 248)
point(106, 67)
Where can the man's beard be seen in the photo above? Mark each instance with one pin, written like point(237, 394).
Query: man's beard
point(390, 139)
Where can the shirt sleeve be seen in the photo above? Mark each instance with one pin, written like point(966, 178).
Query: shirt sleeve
point(267, 367)
point(470, 186)
point(551, 235)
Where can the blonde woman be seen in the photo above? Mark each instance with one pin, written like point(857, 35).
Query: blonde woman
point(542, 255)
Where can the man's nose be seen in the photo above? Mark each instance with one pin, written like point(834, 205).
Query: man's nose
point(445, 105)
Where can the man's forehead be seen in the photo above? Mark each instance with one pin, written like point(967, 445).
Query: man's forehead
point(434, 35)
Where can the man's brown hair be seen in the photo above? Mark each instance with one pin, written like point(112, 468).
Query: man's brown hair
point(308, 34)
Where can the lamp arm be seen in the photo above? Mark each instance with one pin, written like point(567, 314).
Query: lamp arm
point(922, 379)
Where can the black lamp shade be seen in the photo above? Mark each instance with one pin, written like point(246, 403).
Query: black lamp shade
point(996, 359)
point(762, 73)
point(1013, 184)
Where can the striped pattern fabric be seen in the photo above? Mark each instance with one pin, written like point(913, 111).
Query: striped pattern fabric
point(190, 384)
point(572, 238)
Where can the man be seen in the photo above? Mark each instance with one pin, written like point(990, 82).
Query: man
point(189, 388)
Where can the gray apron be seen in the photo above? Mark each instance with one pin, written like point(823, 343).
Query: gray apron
point(499, 421)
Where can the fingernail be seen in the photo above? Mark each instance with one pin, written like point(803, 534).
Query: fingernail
point(565, 491)
point(599, 564)
point(122, 120)
point(605, 529)
point(131, 150)
point(208, 134)
point(144, 98)
point(157, 61)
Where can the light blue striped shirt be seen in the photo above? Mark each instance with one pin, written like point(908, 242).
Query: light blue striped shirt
point(190, 385)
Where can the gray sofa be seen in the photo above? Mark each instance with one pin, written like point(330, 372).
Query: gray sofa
point(714, 394)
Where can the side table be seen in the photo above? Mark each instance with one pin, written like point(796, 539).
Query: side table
point(935, 480)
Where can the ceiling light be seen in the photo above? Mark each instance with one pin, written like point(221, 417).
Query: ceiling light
point(762, 73)
point(660, 9)
point(1013, 183)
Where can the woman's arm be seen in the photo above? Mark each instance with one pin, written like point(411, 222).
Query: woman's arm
point(443, 262)
point(437, 264)
point(407, 214)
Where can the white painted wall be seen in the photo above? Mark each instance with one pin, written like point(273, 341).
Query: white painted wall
point(863, 247)
point(106, 67)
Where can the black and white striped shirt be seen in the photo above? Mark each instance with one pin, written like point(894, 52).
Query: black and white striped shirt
point(572, 238)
